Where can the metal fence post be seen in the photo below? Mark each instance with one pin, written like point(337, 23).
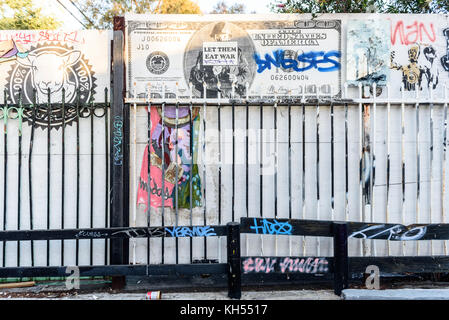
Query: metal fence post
point(234, 264)
point(118, 154)
point(341, 268)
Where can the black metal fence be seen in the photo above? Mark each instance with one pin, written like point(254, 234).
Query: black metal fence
point(55, 175)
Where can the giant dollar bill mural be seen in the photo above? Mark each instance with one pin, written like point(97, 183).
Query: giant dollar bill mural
point(232, 57)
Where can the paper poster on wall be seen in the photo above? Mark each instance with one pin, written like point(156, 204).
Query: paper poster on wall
point(418, 48)
point(368, 52)
point(49, 61)
point(232, 57)
point(172, 166)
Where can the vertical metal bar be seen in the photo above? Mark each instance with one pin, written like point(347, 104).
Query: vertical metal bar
point(403, 161)
point(149, 126)
point(234, 260)
point(233, 160)
point(247, 162)
point(78, 171)
point(19, 173)
point(48, 169)
point(443, 165)
point(30, 180)
point(134, 210)
point(431, 162)
point(163, 170)
point(317, 172)
point(388, 166)
point(303, 188)
point(176, 177)
point(275, 111)
point(106, 184)
point(332, 161)
point(233, 150)
point(363, 169)
point(62, 171)
point(372, 163)
point(91, 222)
point(289, 169)
point(261, 168)
point(5, 168)
point(341, 270)
point(219, 167)
point(418, 164)
point(204, 166)
point(346, 158)
point(191, 176)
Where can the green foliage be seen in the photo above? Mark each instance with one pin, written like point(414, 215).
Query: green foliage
point(22, 15)
point(222, 7)
point(99, 14)
point(179, 6)
point(360, 6)
point(417, 6)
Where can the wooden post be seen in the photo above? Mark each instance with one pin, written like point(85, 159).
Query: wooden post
point(118, 155)
point(234, 264)
point(341, 270)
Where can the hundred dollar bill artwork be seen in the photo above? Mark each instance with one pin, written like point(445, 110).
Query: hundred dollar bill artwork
point(212, 56)
point(171, 166)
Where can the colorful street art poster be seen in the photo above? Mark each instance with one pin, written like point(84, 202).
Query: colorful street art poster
point(170, 153)
point(224, 56)
point(368, 52)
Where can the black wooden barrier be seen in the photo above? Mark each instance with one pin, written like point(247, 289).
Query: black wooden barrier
point(119, 151)
point(340, 265)
point(306, 265)
point(237, 267)
point(341, 271)
point(119, 271)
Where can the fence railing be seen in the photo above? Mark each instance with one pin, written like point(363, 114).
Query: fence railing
point(238, 267)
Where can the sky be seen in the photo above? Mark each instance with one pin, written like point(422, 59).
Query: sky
point(52, 7)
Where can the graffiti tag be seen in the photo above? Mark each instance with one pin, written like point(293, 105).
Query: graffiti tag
point(304, 61)
point(259, 265)
point(272, 227)
point(200, 231)
point(117, 140)
point(141, 232)
point(396, 232)
point(310, 265)
point(90, 234)
point(412, 33)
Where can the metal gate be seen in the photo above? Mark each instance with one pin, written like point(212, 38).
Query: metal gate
point(55, 176)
